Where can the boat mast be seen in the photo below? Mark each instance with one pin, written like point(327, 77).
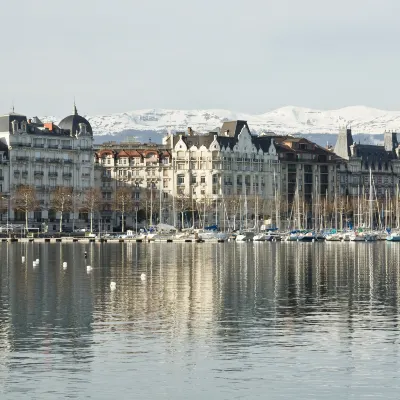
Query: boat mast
point(370, 199)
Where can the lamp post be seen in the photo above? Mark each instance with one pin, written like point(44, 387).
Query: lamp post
point(7, 197)
point(136, 211)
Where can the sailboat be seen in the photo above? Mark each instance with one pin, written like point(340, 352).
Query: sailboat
point(245, 235)
point(370, 235)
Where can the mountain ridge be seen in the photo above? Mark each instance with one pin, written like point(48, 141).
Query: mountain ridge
point(284, 120)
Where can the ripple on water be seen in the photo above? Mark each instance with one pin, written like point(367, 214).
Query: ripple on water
point(217, 320)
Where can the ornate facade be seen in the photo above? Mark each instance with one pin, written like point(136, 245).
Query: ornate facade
point(46, 156)
point(190, 171)
point(360, 159)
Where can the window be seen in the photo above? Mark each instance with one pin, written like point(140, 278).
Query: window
point(215, 179)
point(193, 179)
point(181, 179)
point(137, 195)
point(165, 195)
point(203, 179)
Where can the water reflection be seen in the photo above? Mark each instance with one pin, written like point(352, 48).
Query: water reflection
point(232, 313)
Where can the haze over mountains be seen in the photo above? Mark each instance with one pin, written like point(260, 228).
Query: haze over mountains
point(154, 123)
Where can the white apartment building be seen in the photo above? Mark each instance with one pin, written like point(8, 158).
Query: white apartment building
point(46, 156)
point(187, 171)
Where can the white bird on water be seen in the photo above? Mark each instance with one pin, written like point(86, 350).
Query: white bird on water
point(143, 277)
point(113, 285)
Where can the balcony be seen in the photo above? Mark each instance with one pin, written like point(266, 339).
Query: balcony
point(16, 173)
point(67, 175)
point(68, 161)
point(53, 146)
point(85, 175)
point(38, 173)
point(19, 158)
point(54, 160)
point(40, 160)
point(53, 174)
point(67, 147)
point(38, 145)
point(25, 174)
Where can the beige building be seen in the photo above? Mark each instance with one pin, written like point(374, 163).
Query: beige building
point(189, 171)
point(46, 156)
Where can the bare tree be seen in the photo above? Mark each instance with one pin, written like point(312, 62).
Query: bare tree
point(4, 197)
point(233, 207)
point(183, 203)
point(76, 202)
point(26, 201)
point(204, 207)
point(123, 203)
point(91, 203)
point(61, 201)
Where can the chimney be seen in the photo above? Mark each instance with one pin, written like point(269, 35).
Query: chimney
point(390, 141)
point(343, 143)
point(48, 125)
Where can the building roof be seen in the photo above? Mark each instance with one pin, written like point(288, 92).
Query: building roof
point(233, 128)
point(373, 153)
point(72, 122)
point(6, 120)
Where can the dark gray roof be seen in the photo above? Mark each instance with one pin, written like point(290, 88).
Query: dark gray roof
point(195, 140)
point(263, 142)
point(373, 154)
point(72, 123)
point(5, 121)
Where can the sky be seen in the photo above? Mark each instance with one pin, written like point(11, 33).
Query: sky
point(246, 56)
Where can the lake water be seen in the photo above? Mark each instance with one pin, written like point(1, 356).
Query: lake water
point(216, 321)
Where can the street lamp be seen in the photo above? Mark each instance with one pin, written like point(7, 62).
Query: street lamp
point(6, 197)
point(136, 211)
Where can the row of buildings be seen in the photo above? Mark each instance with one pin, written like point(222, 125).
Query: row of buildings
point(192, 178)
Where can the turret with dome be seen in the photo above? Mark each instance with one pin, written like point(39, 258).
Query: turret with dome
point(76, 124)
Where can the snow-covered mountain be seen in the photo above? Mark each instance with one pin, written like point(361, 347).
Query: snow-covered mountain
point(156, 122)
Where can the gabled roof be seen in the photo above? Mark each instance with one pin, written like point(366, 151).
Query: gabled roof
point(233, 128)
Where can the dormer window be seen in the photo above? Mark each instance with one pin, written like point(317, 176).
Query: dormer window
point(14, 125)
point(82, 128)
